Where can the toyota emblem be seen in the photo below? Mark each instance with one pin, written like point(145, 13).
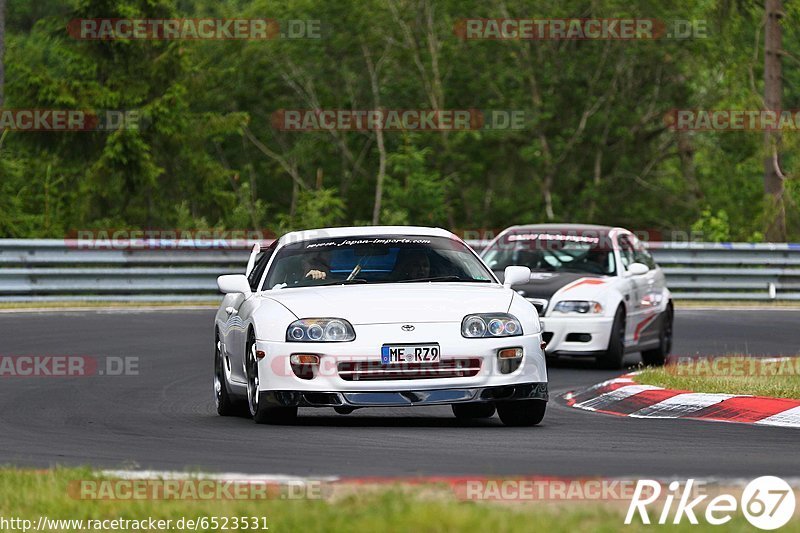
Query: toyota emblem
point(407, 327)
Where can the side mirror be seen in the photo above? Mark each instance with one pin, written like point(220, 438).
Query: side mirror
point(234, 284)
point(637, 269)
point(516, 275)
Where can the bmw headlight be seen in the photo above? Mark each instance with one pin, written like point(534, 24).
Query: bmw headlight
point(582, 307)
point(490, 325)
point(320, 330)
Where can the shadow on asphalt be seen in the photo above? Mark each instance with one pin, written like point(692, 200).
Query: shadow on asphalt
point(394, 421)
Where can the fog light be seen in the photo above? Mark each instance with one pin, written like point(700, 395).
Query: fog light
point(509, 359)
point(304, 359)
point(303, 364)
point(510, 353)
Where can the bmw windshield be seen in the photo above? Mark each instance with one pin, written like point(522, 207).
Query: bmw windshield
point(546, 251)
point(375, 259)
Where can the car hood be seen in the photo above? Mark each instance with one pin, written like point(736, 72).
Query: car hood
point(395, 303)
point(545, 284)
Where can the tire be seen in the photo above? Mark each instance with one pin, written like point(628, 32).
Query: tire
point(658, 356)
point(522, 413)
point(262, 414)
point(226, 404)
point(614, 355)
point(471, 411)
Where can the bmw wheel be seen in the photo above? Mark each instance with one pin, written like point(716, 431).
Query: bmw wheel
point(614, 355)
point(658, 356)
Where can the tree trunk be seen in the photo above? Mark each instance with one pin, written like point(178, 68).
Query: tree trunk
point(376, 211)
point(773, 88)
point(373, 71)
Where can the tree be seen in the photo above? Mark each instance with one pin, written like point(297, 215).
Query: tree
point(773, 98)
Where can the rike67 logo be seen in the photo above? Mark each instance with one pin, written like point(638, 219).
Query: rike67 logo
point(767, 503)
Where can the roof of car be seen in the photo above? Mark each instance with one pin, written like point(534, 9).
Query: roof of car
point(363, 231)
point(564, 228)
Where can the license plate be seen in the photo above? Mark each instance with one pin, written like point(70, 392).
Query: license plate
point(409, 353)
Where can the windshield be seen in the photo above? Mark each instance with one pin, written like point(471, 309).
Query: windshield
point(546, 251)
point(374, 259)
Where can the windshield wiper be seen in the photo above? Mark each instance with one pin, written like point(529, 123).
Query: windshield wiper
point(443, 278)
point(339, 282)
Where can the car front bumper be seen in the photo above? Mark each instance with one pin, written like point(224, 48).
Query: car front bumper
point(275, 373)
point(521, 391)
point(565, 335)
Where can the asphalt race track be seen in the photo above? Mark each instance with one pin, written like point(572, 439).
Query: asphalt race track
point(164, 418)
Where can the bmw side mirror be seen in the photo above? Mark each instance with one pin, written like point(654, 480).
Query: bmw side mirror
point(234, 284)
point(516, 275)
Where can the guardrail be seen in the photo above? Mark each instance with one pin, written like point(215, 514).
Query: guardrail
point(59, 270)
point(730, 271)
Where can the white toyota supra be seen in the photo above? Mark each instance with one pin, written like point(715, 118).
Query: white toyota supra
point(377, 316)
point(597, 288)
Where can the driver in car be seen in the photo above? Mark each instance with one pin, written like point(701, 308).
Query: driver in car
point(413, 265)
point(316, 267)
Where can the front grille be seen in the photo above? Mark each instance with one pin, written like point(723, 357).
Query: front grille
point(540, 304)
point(376, 371)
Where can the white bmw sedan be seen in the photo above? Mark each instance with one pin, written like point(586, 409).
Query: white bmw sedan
point(376, 317)
point(598, 290)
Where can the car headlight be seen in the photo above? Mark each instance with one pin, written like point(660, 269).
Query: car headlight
point(320, 330)
point(578, 306)
point(490, 325)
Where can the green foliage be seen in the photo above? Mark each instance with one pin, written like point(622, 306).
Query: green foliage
point(714, 227)
point(415, 193)
point(315, 209)
point(594, 148)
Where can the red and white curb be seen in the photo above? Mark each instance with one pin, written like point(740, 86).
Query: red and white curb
point(622, 396)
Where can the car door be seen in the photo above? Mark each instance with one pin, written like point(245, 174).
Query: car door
point(236, 335)
point(654, 283)
point(635, 289)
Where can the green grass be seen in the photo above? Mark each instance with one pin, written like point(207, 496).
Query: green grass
point(30, 494)
point(730, 375)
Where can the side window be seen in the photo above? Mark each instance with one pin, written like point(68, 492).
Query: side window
point(626, 251)
point(641, 255)
point(260, 266)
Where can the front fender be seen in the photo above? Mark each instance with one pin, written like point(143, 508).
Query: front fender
point(526, 314)
point(270, 319)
